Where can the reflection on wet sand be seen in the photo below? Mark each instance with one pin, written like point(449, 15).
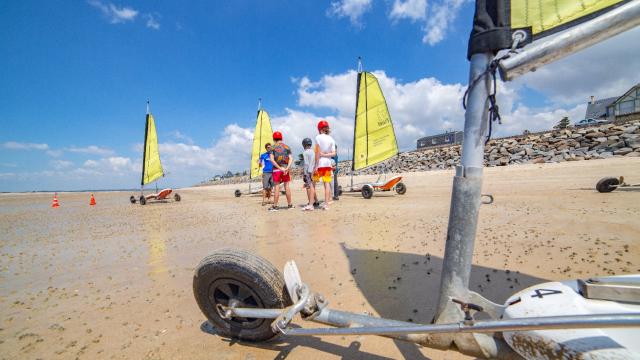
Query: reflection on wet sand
point(156, 240)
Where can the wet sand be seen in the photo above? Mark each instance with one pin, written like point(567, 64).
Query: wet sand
point(114, 280)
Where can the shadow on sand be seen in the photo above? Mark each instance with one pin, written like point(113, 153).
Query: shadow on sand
point(284, 345)
point(404, 286)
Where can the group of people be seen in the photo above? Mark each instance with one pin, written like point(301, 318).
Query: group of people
point(318, 166)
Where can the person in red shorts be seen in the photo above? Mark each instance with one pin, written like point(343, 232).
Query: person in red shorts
point(325, 150)
point(281, 159)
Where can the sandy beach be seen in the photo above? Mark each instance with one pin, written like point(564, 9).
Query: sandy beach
point(115, 280)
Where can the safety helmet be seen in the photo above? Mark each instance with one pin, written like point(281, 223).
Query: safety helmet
point(306, 142)
point(277, 135)
point(322, 124)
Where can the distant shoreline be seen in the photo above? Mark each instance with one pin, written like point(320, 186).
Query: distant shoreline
point(63, 191)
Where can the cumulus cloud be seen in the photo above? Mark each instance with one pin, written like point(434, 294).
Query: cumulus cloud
point(409, 9)
point(353, 9)
point(417, 108)
point(113, 13)
point(91, 149)
point(14, 145)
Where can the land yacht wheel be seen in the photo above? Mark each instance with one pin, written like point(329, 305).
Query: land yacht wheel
point(143, 200)
point(607, 184)
point(367, 191)
point(236, 277)
point(237, 193)
point(401, 188)
point(177, 197)
point(132, 199)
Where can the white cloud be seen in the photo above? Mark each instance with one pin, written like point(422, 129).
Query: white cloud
point(439, 20)
point(113, 13)
point(14, 145)
point(178, 136)
point(152, 21)
point(417, 108)
point(91, 163)
point(108, 166)
point(409, 9)
point(353, 9)
point(54, 153)
point(61, 164)
point(91, 149)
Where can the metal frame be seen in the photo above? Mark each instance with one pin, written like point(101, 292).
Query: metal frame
point(572, 40)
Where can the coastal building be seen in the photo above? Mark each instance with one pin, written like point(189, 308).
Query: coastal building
point(448, 138)
point(620, 108)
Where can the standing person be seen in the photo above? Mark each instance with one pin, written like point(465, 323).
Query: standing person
point(325, 150)
point(281, 159)
point(267, 177)
point(309, 158)
point(336, 188)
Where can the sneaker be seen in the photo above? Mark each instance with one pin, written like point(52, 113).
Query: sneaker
point(273, 208)
point(290, 206)
point(307, 208)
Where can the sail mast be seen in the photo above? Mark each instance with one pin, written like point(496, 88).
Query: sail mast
point(144, 151)
point(355, 119)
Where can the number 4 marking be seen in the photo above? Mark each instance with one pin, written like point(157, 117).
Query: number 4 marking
point(540, 293)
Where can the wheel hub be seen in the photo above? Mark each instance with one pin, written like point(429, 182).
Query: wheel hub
point(233, 293)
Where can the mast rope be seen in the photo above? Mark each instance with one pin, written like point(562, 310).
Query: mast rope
point(494, 111)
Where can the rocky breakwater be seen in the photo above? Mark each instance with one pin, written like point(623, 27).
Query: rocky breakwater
point(572, 144)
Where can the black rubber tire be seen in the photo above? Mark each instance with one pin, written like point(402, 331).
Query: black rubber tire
point(177, 197)
point(607, 184)
point(132, 199)
point(401, 188)
point(367, 191)
point(237, 274)
point(143, 200)
point(237, 193)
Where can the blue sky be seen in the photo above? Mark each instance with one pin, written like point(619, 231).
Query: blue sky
point(76, 76)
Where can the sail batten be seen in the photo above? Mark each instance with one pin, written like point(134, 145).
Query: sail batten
point(261, 136)
point(374, 138)
point(151, 165)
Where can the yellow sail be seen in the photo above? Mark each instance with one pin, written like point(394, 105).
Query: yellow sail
point(373, 137)
point(261, 136)
point(547, 16)
point(151, 166)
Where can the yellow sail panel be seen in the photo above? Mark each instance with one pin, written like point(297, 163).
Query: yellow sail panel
point(374, 139)
point(546, 15)
point(261, 136)
point(151, 166)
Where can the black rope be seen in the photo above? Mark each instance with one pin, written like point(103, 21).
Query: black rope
point(494, 111)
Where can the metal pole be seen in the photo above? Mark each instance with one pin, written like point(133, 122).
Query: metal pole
point(466, 197)
point(572, 40)
point(617, 321)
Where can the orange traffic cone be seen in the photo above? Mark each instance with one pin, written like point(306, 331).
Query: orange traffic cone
point(92, 201)
point(55, 202)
